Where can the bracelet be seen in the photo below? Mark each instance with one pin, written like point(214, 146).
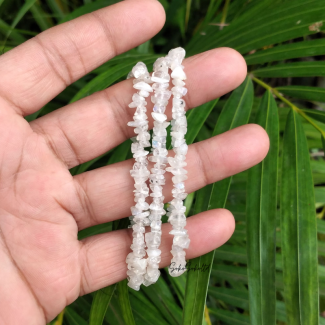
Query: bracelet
point(176, 210)
point(135, 260)
point(161, 78)
point(143, 270)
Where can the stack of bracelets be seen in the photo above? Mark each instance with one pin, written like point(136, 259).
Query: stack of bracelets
point(144, 269)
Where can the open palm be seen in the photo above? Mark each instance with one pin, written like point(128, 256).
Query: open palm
point(43, 265)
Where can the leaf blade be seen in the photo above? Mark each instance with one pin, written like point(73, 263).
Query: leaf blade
point(304, 92)
point(124, 302)
point(288, 51)
point(293, 69)
point(261, 220)
point(298, 227)
point(236, 112)
point(272, 25)
point(100, 304)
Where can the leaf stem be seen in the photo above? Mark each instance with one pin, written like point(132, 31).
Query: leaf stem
point(224, 14)
point(290, 104)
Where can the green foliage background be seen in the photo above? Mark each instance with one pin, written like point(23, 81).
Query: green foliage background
point(272, 270)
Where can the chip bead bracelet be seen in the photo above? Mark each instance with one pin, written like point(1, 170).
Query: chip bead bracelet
point(161, 78)
point(136, 261)
point(176, 210)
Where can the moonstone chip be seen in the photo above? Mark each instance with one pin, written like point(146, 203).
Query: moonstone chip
point(133, 286)
point(177, 135)
point(139, 70)
point(182, 241)
point(159, 117)
point(162, 96)
point(160, 86)
point(178, 82)
point(138, 228)
point(178, 103)
point(152, 239)
point(181, 90)
point(143, 86)
point(178, 73)
point(160, 65)
point(177, 54)
point(153, 272)
point(150, 280)
point(182, 150)
point(139, 99)
point(159, 108)
point(160, 77)
point(144, 93)
point(178, 233)
point(153, 252)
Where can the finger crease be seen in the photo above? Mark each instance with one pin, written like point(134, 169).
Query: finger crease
point(50, 143)
point(203, 158)
point(84, 264)
point(107, 32)
point(84, 200)
point(118, 114)
point(71, 146)
point(80, 57)
point(46, 52)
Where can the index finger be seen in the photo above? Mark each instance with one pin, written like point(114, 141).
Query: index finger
point(39, 69)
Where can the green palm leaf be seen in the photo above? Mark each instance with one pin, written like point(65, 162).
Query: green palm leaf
point(261, 220)
point(288, 51)
point(236, 112)
point(294, 69)
point(298, 227)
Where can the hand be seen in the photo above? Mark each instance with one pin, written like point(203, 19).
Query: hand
point(43, 265)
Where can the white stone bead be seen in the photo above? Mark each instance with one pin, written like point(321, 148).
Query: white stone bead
point(137, 98)
point(153, 252)
point(152, 239)
point(182, 149)
point(159, 117)
point(160, 77)
point(140, 69)
point(178, 82)
point(150, 280)
point(177, 54)
point(133, 286)
point(143, 86)
point(178, 103)
point(178, 73)
point(160, 86)
point(160, 65)
point(161, 96)
point(178, 232)
point(177, 135)
point(144, 93)
point(181, 90)
point(182, 241)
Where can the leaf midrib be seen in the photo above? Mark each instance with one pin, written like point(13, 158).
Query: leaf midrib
point(321, 91)
point(298, 223)
point(261, 202)
point(196, 289)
